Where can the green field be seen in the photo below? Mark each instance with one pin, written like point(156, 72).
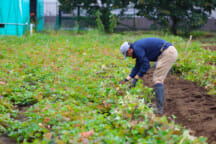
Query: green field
point(68, 84)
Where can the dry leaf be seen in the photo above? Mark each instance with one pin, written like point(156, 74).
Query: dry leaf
point(48, 135)
point(105, 104)
point(60, 142)
point(52, 89)
point(47, 107)
point(46, 119)
point(67, 88)
point(87, 134)
point(85, 141)
point(40, 125)
point(69, 107)
point(2, 83)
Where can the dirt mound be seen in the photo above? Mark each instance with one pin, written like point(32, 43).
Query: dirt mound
point(190, 103)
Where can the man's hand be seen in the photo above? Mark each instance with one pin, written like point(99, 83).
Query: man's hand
point(133, 84)
point(123, 81)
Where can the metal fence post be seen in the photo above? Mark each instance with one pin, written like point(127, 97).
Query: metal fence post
point(60, 17)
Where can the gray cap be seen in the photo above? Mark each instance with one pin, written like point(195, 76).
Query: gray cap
point(124, 48)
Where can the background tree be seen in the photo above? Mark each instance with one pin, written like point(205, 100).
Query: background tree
point(92, 6)
point(181, 16)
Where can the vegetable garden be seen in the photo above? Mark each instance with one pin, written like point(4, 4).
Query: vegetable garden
point(64, 88)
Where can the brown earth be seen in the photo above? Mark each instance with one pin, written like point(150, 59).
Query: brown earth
point(190, 103)
point(212, 47)
point(4, 139)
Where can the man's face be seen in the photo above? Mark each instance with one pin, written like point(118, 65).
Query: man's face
point(130, 52)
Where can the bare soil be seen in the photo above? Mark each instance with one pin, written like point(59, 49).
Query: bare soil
point(4, 139)
point(190, 103)
point(212, 47)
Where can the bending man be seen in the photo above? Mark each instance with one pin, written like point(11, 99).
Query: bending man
point(144, 51)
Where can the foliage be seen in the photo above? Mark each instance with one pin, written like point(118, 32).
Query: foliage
point(92, 7)
point(181, 16)
point(112, 23)
point(198, 64)
point(72, 82)
point(100, 25)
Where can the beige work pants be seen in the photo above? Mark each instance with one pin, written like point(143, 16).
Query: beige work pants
point(164, 64)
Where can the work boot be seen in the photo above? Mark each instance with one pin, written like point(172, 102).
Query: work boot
point(159, 91)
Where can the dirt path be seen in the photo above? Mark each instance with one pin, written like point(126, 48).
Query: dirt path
point(190, 103)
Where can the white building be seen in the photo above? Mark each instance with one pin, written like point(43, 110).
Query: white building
point(51, 7)
point(213, 15)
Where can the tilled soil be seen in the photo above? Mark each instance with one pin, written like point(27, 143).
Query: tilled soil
point(190, 103)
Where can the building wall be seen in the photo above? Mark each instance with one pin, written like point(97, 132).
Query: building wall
point(213, 15)
point(210, 25)
point(142, 23)
point(51, 7)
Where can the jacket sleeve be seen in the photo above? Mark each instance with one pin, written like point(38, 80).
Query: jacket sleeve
point(135, 69)
point(144, 67)
point(144, 63)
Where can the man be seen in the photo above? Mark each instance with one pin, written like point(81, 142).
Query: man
point(144, 51)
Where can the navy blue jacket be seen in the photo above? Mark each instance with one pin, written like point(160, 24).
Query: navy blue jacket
point(146, 50)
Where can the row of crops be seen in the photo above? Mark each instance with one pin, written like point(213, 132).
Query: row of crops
point(69, 86)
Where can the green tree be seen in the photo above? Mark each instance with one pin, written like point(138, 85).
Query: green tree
point(93, 6)
point(181, 16)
